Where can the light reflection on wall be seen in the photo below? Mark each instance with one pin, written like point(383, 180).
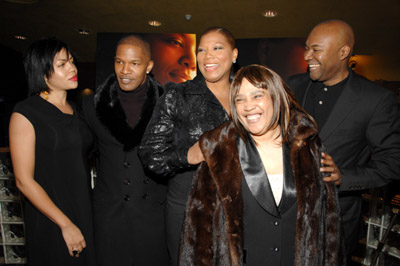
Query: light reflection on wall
point(86, 92)
point(376, 67)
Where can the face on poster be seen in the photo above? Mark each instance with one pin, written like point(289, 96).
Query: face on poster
point(174, 55)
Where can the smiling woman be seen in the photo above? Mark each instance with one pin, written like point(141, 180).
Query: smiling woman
point(259, 198)
point(169, 147)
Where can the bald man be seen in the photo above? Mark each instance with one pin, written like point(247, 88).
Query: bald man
point(357, 120)
point(128, 204)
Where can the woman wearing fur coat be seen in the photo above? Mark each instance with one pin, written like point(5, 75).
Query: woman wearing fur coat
point(261, 197)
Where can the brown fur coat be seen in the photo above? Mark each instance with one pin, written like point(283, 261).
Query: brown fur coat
point(213, 227)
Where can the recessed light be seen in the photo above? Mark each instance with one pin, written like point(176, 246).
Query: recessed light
point(188, 17)
point(270, 13)
point(83, 31)
point(154, 23)
point(20, 37)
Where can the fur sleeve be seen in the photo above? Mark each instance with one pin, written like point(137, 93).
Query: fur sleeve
point(198, 229)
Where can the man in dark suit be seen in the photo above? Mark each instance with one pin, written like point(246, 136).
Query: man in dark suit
point(128, 205)
point(357, 120)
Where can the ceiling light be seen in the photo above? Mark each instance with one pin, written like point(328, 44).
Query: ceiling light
point(188, 17)
point(83, 31)
point(154, 23)
point(19, 37)
point(270, 13)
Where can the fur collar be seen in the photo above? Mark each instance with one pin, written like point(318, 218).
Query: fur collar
point(111, 114)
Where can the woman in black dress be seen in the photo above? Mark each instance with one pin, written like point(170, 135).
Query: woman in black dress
point(46, 148)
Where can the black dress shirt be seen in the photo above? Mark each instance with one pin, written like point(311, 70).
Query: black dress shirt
point(321, 99)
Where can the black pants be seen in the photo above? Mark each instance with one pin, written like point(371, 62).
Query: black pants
point(175, 214)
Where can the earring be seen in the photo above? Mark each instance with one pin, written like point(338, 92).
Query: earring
point(46, 95)
point(147, 72)
point(234, 61)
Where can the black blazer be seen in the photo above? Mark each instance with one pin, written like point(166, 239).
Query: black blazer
point(362, 134)
point(262, 218)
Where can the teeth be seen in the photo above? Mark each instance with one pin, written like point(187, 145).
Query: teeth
point(313, 66)
point(210, 65)
point(125, 80)
point(253, 117)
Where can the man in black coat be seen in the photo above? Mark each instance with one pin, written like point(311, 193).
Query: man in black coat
point(357, 120)
point(128, 205)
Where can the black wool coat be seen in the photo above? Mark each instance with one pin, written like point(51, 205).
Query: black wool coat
point(213, 228)
point(128, 204)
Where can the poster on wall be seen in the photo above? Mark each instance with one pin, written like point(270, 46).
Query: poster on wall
point(174, 55)
point(283, 55)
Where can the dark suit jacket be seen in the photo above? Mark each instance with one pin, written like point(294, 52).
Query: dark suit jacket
point(128, 204)
point(362, 134)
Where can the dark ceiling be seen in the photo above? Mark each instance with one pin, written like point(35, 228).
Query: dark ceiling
point(376, 23)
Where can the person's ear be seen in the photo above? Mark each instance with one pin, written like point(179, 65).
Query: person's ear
point(344, 52)
point(149, 67)
point(235, 54)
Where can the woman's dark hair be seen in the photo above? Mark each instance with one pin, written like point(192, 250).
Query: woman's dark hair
point(38, 63)
point(226, 33)
point(282, 98)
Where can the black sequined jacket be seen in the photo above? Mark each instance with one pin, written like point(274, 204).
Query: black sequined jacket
point(183, 114)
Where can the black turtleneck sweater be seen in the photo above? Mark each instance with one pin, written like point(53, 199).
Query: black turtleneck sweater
point(132, 103)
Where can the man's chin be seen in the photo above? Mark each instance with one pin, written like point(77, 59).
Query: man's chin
point(314, 76)
point(127, 88)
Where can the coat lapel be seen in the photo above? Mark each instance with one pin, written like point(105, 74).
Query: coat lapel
point(255, 176)
point(346, 102)
point(289, 195)
point(112, 115)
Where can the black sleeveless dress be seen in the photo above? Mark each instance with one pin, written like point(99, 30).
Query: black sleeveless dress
point(60, 170)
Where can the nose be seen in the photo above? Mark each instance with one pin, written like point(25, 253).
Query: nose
point(125, 69)
point(308, 54)
point(189, 58)
point(209, 53)
point(248, 105)
point(188, 61)
point(73, 67)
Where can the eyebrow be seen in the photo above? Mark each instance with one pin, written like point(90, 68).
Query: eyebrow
point(253, 92)
point(315, 45)
point(132, 60)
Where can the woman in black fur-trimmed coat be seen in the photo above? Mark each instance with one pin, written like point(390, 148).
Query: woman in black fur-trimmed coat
point(233, 216)
point(128, 205)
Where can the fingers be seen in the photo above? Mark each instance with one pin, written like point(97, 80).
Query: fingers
point(75, 253)
point(76, 249)
point(74, 240)
point(330, 167)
